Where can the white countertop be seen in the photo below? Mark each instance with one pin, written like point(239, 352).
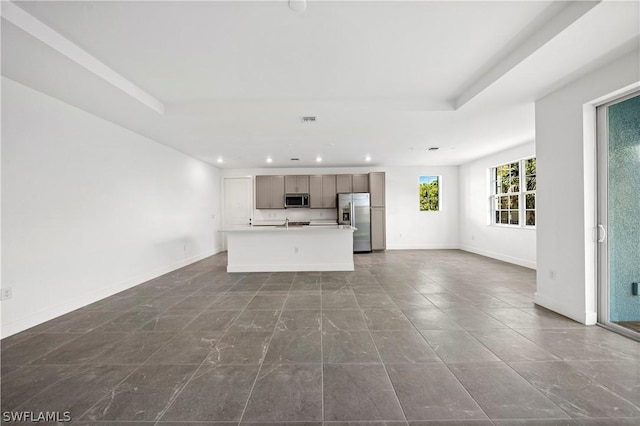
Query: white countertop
point(312, 222)
point(275, 228)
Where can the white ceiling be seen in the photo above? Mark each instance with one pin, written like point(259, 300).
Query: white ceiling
point(385, 79)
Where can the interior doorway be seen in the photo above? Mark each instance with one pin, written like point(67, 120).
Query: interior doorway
point(238, 202)
point(619, 215)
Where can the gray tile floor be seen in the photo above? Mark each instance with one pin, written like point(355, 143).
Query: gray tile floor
point(425, 337)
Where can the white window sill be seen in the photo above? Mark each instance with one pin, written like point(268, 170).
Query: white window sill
point(498, 225)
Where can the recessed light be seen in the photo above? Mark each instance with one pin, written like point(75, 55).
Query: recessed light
point(220, 160)
point(269, 160)
point(367, 158)
point(319, 159)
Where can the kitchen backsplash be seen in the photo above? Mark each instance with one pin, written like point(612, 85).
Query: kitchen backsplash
point(294, 215)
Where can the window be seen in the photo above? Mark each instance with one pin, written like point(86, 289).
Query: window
point(513, 193)
point(530, 191)
point(429, 193)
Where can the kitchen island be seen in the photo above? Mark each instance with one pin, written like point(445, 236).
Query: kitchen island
point(293, 248)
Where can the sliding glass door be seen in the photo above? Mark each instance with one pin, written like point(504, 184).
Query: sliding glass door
point(619, 214)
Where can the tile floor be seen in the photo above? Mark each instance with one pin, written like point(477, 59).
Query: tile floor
point(419, 337)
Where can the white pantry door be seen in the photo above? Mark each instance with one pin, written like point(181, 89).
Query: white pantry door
point(238, 202)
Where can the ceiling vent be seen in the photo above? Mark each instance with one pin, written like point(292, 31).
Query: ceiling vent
point(433, 148)
point(309, 119)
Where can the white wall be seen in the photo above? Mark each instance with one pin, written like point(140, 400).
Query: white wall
point(90, 208)
point(566, 217)
point(510, 244)
point(407, 227)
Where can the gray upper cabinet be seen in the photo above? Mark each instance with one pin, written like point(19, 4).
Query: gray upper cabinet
point(315, 192)
point(360, 183)
point(344, 183)
point(263, 192)
point(269, 192)
point(277, 192)
point(322, 191)
point(296, 184)
point(329, 191)
point(376, 188)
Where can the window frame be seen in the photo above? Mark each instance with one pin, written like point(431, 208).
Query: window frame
point(521, 195)
point(439, 179)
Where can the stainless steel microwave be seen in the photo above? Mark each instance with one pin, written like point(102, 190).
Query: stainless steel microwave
point(296, 200)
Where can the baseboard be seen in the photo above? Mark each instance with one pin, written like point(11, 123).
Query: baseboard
point(291, 267)
point(422, 246)
point(499, 256)
point(31, 320)
point(583, 317)
point(590, 318)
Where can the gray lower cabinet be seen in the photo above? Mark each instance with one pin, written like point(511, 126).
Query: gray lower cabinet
point(322, 192)
point(269, 192)
point(378, 231)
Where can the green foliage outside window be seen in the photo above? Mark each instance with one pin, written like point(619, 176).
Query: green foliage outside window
point(514, 193)
point(429, 193)
point(530, 173)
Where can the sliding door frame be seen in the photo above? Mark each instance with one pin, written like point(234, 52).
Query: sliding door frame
point(602, 219)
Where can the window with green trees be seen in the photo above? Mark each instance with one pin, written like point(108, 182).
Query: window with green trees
point(429, 193)
point(513, 193)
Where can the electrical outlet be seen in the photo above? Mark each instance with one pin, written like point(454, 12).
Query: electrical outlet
point(6, 293)
point(473, 237)
point(552, 274)
point(296, 250)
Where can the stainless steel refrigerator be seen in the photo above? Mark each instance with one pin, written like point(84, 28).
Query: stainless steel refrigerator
point(354, 209)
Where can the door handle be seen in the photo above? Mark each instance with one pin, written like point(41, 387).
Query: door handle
point(602, 232)
point(353, 216)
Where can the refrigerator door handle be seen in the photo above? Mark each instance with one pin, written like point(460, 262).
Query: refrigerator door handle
point(353, 214)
